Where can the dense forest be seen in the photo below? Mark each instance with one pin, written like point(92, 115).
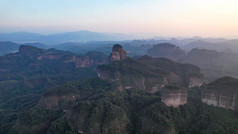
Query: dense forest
point(103, 109)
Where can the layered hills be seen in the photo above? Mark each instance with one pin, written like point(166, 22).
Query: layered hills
point(38, 69)
point(166, 50)
point(25, 75)
point(213, 64)
point(129, 96)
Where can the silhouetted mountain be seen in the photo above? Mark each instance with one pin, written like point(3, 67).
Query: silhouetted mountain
point(166, 50)
point(212, 44)
point(78, 36)
point(82, 48)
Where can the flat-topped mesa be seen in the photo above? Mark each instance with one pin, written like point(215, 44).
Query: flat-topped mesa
point(222, 93)
point(174, 96)
point(118, 53)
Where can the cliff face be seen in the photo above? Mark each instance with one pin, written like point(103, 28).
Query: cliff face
point(186, 75)
point(118, 53)
point(222, 93)
point(150, 74)
point(131, 74)
point(174, 96)
point(194, 79)
point(126, 112)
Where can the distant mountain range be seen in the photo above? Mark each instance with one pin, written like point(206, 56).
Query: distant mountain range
point(78, 36)
point(95, 38)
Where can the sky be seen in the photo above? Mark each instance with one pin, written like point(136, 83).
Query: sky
point(213, 18)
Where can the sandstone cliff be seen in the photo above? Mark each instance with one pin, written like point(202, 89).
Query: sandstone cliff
point(222, 93)
point(194, 80)
point(118, 53)
point(174, 96)
point(186, 75)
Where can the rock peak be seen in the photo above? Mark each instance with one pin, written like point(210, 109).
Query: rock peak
point(118, 53)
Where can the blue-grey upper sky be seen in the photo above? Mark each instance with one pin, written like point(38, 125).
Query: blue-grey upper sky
point(160, 17)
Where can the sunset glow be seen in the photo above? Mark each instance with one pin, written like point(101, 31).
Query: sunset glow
point(160, 17)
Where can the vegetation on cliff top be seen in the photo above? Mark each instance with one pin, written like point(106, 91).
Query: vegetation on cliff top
point(133, 111)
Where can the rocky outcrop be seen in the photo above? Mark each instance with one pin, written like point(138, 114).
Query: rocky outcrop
point(166, 50)
point(194, 80)
point(174, 96)
point(118, 53)
point(222, 93)
point(150, 74)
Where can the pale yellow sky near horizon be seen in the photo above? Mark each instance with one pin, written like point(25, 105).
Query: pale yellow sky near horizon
point(213, 18)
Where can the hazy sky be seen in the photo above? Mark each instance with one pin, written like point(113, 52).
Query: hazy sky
point(162, 17)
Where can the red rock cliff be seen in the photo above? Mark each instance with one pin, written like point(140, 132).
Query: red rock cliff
point(118, 53)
